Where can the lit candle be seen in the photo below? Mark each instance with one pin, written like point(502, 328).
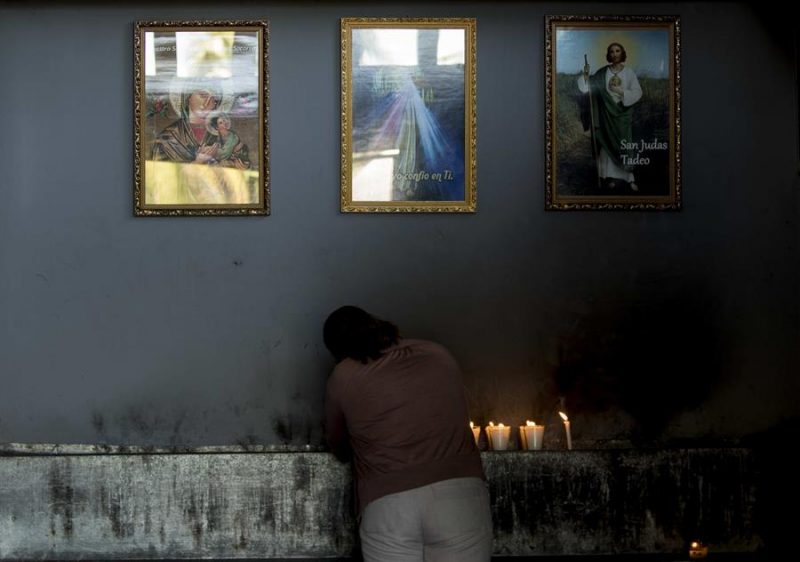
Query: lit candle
point(498, 436)
point(531, 435)
point(476, 432)
point(697, 550)
point(490, 434)
point(566, 427)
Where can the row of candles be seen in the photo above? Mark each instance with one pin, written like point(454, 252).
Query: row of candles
point(530, 435)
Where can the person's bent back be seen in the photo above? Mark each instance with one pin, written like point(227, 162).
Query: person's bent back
point(399, 406)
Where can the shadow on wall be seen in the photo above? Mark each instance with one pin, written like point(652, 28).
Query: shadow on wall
point(780, 488)
point(652, 358)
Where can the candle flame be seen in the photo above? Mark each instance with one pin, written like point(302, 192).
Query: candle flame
point(491, 424)
point(501, 425)
point(563, 416)
point(471, 425)
point(695, 544)
point(530, 423)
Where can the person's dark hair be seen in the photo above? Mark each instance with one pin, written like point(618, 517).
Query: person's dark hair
point(352, 332)
point(624, 53)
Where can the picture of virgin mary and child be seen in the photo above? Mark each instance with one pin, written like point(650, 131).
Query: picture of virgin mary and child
point(199, 158)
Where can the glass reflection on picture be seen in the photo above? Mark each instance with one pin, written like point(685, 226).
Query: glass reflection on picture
point(410, 118)
point(202, 131)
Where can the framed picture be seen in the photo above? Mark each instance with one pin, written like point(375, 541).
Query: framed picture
point(613, 124)
point(797, 86)
point(408, 115)
point(202, 115)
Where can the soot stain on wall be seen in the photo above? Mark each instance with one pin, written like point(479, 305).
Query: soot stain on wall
point(652, 358)
point(113, 503)
point(217, 506)
point(138, 425)
point(62, 499)
point(193, 514)
point(266, 508)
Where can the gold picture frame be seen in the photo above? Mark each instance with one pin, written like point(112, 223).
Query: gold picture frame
point(613, 113)
point(408, 115)
point(201, 104)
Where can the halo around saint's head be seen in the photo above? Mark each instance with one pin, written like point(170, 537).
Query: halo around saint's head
point(182, 87)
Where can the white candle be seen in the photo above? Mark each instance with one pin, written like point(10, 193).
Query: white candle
point(531, 435)
point(566, 428)
point(498, 436)
point(476, 432)
point(502, 434)
point(490, 434)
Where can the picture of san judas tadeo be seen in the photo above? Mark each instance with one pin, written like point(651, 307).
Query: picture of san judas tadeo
point(408, 115)
point(201, 118)
point(613, 112)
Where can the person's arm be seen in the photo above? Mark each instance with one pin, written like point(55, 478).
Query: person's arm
point(583, 83)
point(336, 434)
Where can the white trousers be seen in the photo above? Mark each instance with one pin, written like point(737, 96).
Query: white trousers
point(447, 521)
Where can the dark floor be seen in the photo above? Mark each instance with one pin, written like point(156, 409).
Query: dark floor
point(749, 557)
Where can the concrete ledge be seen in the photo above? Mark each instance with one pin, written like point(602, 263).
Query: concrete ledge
point(79, 502)
point(39, 449)
point(624, 502)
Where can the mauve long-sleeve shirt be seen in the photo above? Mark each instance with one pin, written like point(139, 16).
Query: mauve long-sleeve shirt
point(404, 419)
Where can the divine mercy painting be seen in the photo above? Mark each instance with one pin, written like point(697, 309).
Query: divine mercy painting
point(408, 115)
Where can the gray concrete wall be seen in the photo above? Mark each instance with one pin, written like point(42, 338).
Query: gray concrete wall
point(77, 503)
point(174, 506)
point(206, 331)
